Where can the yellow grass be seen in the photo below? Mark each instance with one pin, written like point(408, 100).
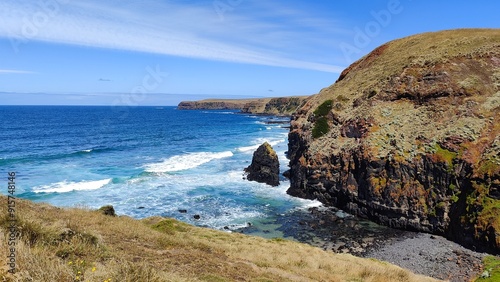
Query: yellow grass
point(55, 244)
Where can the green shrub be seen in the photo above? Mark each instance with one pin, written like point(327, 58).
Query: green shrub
point(321, 124)
point(169, 226)
point(324, 108)
point(320, 127)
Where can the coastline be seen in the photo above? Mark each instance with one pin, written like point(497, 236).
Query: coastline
point(333, 230)
point(278, 106)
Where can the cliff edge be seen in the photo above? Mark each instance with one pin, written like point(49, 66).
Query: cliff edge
point(408, 136)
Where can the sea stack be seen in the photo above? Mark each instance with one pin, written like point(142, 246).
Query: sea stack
point(265, 167)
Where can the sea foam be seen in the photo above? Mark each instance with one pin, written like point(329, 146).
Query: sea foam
point(186, 161)
point(65, 186)
point(259, 141)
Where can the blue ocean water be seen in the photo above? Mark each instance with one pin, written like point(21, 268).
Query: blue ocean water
point(144, 161)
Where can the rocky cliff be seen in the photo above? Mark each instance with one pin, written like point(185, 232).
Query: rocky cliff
point(409, 136)
point(271, 106)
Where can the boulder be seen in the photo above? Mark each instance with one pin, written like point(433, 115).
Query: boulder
point(108, 210)
point(265, 167)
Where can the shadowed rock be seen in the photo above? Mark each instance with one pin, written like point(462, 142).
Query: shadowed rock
point(265, 166)
point(108, 210)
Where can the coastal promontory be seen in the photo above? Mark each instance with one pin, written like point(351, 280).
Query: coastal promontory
point(270, 106)
point(409, 136)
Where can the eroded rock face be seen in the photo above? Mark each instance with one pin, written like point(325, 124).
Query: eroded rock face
point(413, 139)
point(265, 166)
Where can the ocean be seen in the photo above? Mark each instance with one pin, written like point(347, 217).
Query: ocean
point(146, 161)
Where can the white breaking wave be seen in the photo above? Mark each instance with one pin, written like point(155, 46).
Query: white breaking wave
point(248, 148)
point(218, 113)
point(65, 186)
point(187, 161)
point(259, 142)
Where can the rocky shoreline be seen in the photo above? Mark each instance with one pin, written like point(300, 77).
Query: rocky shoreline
point(334, 230)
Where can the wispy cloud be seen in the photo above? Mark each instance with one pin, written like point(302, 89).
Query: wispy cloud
point(15, 72)
point(172, 28)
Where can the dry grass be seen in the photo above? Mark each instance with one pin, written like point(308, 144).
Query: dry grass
point(57, 244)
point(433, 85)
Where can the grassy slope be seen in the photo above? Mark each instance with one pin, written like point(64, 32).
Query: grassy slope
point(388, 83)
point(81, 245)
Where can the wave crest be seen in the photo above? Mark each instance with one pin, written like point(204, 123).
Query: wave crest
point(65, 186)
point(187, 161)
point(259, 142)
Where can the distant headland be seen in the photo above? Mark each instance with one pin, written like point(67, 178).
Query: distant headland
point(273, 106)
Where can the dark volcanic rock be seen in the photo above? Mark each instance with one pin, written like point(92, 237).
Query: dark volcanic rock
point(412, 139)
point(265, 166)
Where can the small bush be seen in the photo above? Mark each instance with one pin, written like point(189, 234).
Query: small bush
point(169, 226)
point(320, 127)
point(108, 210)
point(323, 109)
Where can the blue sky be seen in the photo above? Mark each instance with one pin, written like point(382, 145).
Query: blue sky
point(144, 52)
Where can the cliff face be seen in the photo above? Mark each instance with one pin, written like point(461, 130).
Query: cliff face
point(271, 106)
point(210, 105)
point(409, 136)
